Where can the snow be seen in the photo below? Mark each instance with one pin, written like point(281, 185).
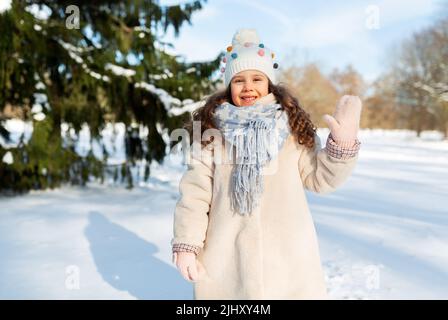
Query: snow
point(40, 12)
point(167, 100)
point(40, 85)
point(8, 158)
point(120, 71)
point(188, 105)
point(39, 116)
point(112, 137)
point(382, 235)
point(168, 73)
point(41, 98)
point(16, 129)
point(73, 53)
point(96, 75)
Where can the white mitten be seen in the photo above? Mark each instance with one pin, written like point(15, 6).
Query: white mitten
point(344, 124)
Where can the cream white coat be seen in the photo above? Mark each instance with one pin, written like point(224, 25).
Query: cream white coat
point(272, 253)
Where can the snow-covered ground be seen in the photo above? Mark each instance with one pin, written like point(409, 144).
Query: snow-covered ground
point(383, 234)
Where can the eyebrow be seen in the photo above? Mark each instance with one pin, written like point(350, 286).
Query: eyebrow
point(254, 75)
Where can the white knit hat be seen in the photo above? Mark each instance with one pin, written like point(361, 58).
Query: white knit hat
point(247, 52)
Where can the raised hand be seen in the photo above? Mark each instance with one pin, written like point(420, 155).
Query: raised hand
point(344, 124)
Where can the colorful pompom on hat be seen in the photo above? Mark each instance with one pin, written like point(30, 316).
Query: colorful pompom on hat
point(247, 52)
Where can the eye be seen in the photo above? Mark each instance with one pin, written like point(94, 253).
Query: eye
point(238, 80)
point(258, 79)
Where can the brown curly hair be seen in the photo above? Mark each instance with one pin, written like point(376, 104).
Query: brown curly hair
point(299, 120)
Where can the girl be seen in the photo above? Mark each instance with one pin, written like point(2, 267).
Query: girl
point(242, 227)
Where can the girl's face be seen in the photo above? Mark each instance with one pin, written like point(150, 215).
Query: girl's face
point(248, 86)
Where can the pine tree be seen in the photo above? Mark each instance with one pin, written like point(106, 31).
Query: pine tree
point(94, 63)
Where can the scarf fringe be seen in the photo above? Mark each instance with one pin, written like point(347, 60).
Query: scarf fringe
point(256, 133)
point(252, 153)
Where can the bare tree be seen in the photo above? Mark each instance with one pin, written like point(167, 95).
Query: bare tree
point(422, 78)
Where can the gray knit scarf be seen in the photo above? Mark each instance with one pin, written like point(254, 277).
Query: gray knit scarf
point(257, 132)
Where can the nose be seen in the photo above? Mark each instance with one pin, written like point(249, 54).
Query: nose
point(247, 86)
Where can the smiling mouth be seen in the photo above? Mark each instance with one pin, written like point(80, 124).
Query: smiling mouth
point(249, 98)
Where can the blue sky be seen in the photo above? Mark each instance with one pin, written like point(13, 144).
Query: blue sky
point(332, 33)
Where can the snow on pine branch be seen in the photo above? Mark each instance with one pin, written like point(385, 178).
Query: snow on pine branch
point(168, 100)
point(73, 52)
point(120, 71)
point(40, 12)
point(188, 105)
point(172, 105)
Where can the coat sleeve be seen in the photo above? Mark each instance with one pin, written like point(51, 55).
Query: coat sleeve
point(192, 208)
point(322, 170)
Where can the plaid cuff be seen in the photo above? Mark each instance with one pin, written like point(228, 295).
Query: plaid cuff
point(183, 247)
point(342, 149)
